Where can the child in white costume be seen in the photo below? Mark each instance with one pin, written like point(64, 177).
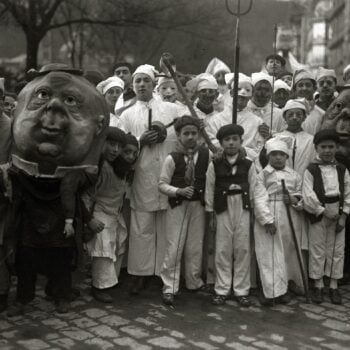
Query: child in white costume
point(326, 193)
point(107, 200)
point(274, 246)
point(183, 180)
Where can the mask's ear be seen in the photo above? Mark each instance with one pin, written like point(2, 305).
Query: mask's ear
point(100, 123)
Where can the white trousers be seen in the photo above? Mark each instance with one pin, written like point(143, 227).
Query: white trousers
point(105, 271)
point(146, 242)
point(321, 253)
point(232, 255)
point(185, 225)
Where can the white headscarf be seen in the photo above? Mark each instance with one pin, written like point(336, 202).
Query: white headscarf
point(243, 81)
point(280, 84)
point(146, 69)
point(110, 82)
point(205, 81)
point(276, 145)
point(299, 103)
point(216, 65)
point(260, 76)
point(323, 72)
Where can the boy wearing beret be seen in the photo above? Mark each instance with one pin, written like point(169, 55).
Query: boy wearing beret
point(183, 180)
point(229, 186)
point(326, 194)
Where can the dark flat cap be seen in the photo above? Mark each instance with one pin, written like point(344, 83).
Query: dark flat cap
point(116, 134)
point(276, 57)
point(229, 129)
point(186, 120)
point(326, 135)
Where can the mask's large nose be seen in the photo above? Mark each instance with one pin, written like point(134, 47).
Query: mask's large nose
point(55, 116)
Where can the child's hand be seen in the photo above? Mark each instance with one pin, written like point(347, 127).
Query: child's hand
point(264, 130)
point(68, 229)
point(271, 228)
point(330, 214)
point(149, 137)
point(186, 192)
point(96, 226)
point(341, 223)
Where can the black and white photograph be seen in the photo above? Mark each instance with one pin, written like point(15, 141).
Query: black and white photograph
point(175, 174)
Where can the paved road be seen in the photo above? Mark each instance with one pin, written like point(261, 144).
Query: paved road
point(144, 323)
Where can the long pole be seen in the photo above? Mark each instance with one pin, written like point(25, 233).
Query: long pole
point(296, 244)
point(236, 69)
point(274, 72)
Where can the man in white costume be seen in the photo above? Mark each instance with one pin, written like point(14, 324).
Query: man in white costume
point(148, 205)
point(260, 103)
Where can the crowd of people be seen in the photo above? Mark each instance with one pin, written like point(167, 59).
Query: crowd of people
point(203, 203)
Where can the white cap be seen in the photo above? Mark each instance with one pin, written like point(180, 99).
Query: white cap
point(260, 76)
point(244, 83)
point(323, 72)
point(280, 84)
point(205, 81)
point(110, 82)
point(216, 65)
point(302, 74)
point(295, 103)
point(276, 145)
point(146, 69)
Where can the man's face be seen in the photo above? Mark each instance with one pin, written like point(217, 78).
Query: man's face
point(9, 105)
point(305, 88)
point(124, 74)
point(188, 136)
point(206, 97)
point(112, 95)
point(280, 97)
point(326, 87)
point(326, 150)
point(277, 159)
point(57, 118)
point(288, 79)
point(143, 87)
point(262, 93)
point(168, 91)
point(294, 118)
point(231, 144)
point(273, 66)
point(129, 153)
point(220, 77)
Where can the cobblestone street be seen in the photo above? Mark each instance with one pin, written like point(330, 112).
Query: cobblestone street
point(144, 323)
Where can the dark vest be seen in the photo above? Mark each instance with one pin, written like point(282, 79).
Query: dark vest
point(318, 188)
point(224, 179)
point(178, 179)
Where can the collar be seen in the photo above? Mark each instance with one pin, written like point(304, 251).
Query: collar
point(232, 159)
point(318, 161)
point(269, 169)
point(32, 169)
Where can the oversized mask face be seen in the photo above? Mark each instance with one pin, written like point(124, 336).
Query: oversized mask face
point(59, 121)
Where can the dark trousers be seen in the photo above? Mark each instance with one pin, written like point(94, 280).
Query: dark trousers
point(55, 263)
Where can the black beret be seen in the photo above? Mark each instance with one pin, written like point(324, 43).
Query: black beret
point(276, 57)
point(122, 64)
point(116, 134)
point(186, 120)
point(326, 135)
point(229, 129)
point(131, 140)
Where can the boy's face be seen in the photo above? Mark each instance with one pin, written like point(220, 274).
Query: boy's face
point(231, 144)
point(305, 88)
point(111, 150)
point(188, 136)
point(280, 97)
point(326, 150)
point(124, 74)
point(273, 66)
point(143, 87)
point(294, 118)
point(129, 153)
point(168, 91)
point(326, 87)
point(112, 95)
point(278, 159)
point(262, 93)
point(206, 97)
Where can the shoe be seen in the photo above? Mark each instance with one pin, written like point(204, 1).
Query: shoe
point(295, 289)
point(136, 285)
point(62, 306)
point(3, 302)
point(17, 309)
point(265, 301)
point(335, 296)
point(317, 295)
point(218, 299)
point(101, 295)
point(244, 300)
point(168, 298)
point(284, 299)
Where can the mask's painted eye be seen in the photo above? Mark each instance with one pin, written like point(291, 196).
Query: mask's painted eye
point(43, 95)
point(339, 105)
point(70, 101)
